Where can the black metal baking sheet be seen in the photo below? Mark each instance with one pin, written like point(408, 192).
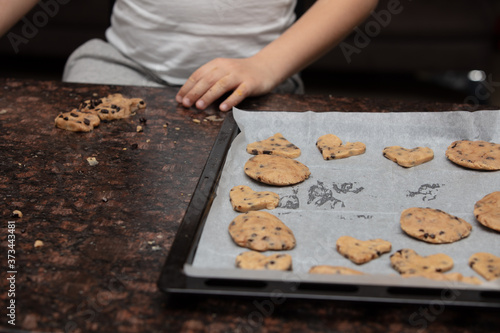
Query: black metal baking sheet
point(175, 278)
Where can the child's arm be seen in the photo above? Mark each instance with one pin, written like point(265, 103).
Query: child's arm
point(322, 27)
point(12, 11)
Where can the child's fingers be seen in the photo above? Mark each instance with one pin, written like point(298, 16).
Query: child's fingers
point(238, 95)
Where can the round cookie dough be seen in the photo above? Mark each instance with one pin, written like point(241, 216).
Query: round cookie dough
point(487, 211)
point(479, 155)
point(433, 225)
point(276, 170)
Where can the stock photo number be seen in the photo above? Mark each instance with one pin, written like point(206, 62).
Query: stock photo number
point(11, 272)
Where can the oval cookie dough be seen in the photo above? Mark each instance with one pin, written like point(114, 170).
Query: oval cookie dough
point(433, 225)
point(276, 170)
point(480, 155)
point(487, 211)
point(261, 231)
point(327, 269)
point(256, 260)
point(445, 277)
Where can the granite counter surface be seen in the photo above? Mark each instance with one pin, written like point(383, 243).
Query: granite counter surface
point(92, 240)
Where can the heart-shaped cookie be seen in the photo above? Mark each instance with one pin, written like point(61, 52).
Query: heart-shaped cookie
point(244, 199)
point(360, 252)
point(274, 145)
point(331, 147)
point(407, 261)
point(256, 260)
point(485, 264)
point(408, 157)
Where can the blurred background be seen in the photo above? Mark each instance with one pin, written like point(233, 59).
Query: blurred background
point(428, 50)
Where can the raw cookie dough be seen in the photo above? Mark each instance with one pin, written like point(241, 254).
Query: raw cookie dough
point(407, 261)
point(408, 157)
point(114, 106)
point(433, 225)
point(274, 145)
point(327, 269)
point(446, 277)
point(480, 155)
point(485, 264)
point(258, 261)
point(331, 147)
point(360, 252)
point(77, 121)
point(244, 199)
point(276, 170)
point(261, 231)
point(487, 211)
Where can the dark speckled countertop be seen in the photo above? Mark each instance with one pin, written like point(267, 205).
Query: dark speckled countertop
point(106, 230)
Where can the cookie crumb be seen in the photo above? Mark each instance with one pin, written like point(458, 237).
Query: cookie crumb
point(214, 118)
point(139, 129)
point(196, 121)
point(17, 213)
point(38, 243)
point(92, 161)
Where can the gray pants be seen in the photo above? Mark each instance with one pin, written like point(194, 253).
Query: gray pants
point(97, 61)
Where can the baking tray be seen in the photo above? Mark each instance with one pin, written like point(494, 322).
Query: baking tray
point(177, 279)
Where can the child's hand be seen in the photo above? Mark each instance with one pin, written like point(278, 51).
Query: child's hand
point(244, 77)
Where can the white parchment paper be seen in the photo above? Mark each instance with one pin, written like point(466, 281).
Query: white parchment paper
point(361, 196)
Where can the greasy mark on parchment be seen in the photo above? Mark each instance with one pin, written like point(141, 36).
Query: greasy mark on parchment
point(320, 194)
point(346, 188)
point(428, 192)
point(290, 201)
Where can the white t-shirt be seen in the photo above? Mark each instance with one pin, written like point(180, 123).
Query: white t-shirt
point(174, 38)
